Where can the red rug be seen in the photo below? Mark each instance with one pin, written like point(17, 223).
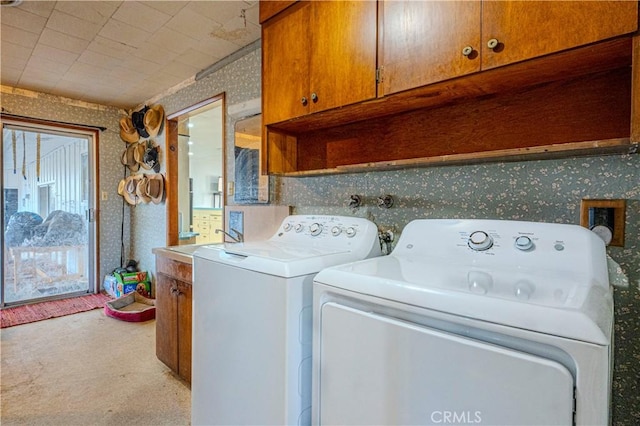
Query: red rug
point(52, 309)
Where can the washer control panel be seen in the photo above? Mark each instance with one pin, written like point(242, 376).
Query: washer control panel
point(333, 231)
point(321, 226)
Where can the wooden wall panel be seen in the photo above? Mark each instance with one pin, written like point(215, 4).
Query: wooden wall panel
point(593, 107)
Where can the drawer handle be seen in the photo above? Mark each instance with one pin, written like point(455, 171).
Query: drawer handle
point(468, 50)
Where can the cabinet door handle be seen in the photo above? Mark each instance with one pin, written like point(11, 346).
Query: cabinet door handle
point(174, 290)
point(467, 50)
point(493, 43)
point(304, 101)
point(314, 97)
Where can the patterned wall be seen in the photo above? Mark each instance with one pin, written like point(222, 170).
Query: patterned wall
point(240, 81)
point(49, 107)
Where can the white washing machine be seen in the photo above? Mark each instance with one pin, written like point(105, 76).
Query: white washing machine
point(252, 319)
point(467, 322)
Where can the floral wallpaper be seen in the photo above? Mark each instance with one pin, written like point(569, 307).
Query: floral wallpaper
point(240, 81)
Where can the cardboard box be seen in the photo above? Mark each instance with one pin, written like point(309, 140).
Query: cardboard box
point(117, 285)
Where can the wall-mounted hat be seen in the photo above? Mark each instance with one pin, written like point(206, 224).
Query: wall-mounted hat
point(127, 188)
point(154, 120)
point(137, 118)
point(128, 131)
point(141, 189)
point(129, 156)
point(155, 188)
point(148, 157)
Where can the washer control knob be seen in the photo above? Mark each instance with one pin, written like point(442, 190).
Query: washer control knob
point(287, 227)
point(351, 232)
point(335, 231)
point(299, 227)
point(523, 290)
point(524, 243)
point(315, 229)
point(480, 240)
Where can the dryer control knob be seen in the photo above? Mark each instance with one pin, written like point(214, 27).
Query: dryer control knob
point(299, 227)
point(480, 240)
point(523, 243)
point(351, 232)
point(335, 231)
point(287, 227)
point(315, 229)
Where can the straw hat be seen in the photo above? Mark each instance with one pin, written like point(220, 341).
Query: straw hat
point(129, 156)
point(154, 120)
point(128, 132)
point(127, 188)
point(154, 187)
point(141, 189)
point(148, 156)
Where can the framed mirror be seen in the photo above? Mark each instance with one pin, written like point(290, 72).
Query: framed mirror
point(251, 187)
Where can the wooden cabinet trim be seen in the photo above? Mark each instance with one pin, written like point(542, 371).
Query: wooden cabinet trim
point(270, 8)
point(173, 268)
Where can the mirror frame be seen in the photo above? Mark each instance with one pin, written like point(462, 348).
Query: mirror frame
point(262, 195)
point(171, 156)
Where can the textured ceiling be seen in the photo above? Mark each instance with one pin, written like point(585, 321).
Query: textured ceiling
point(119, 53)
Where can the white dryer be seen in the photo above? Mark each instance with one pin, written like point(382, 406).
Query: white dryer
point(467, 322)
point(252, 319)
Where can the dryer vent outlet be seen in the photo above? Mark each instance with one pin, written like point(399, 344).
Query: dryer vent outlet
point(606, 218)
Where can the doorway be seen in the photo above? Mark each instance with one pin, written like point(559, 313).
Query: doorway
point(48, 182)
point(195, 173)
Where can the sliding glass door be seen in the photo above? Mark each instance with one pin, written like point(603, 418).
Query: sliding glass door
point(47, 212)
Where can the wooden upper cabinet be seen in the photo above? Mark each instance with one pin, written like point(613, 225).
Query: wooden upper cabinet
point(343, 53)
point(270, 8)
point(285, 65)
point(422, 42)
point(527, 29)
point(317, 56)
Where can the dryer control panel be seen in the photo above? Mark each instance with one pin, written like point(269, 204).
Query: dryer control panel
point(546, 263)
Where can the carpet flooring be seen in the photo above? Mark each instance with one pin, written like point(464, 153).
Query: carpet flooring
point(52, 309)
point(88, 369)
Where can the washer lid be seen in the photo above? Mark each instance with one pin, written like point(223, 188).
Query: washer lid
point(275, 258)
point(533, 299)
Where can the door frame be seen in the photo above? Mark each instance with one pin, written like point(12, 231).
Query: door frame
point(93, 135)
point(171, 150)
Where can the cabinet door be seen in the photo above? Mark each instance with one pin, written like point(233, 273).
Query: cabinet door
point(526, 29)
point(184, 329)
point(166, 324)
point(423, 42)
point(343, 53)
point(285, 64)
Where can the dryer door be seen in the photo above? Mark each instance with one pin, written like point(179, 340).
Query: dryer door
point(383, 371)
